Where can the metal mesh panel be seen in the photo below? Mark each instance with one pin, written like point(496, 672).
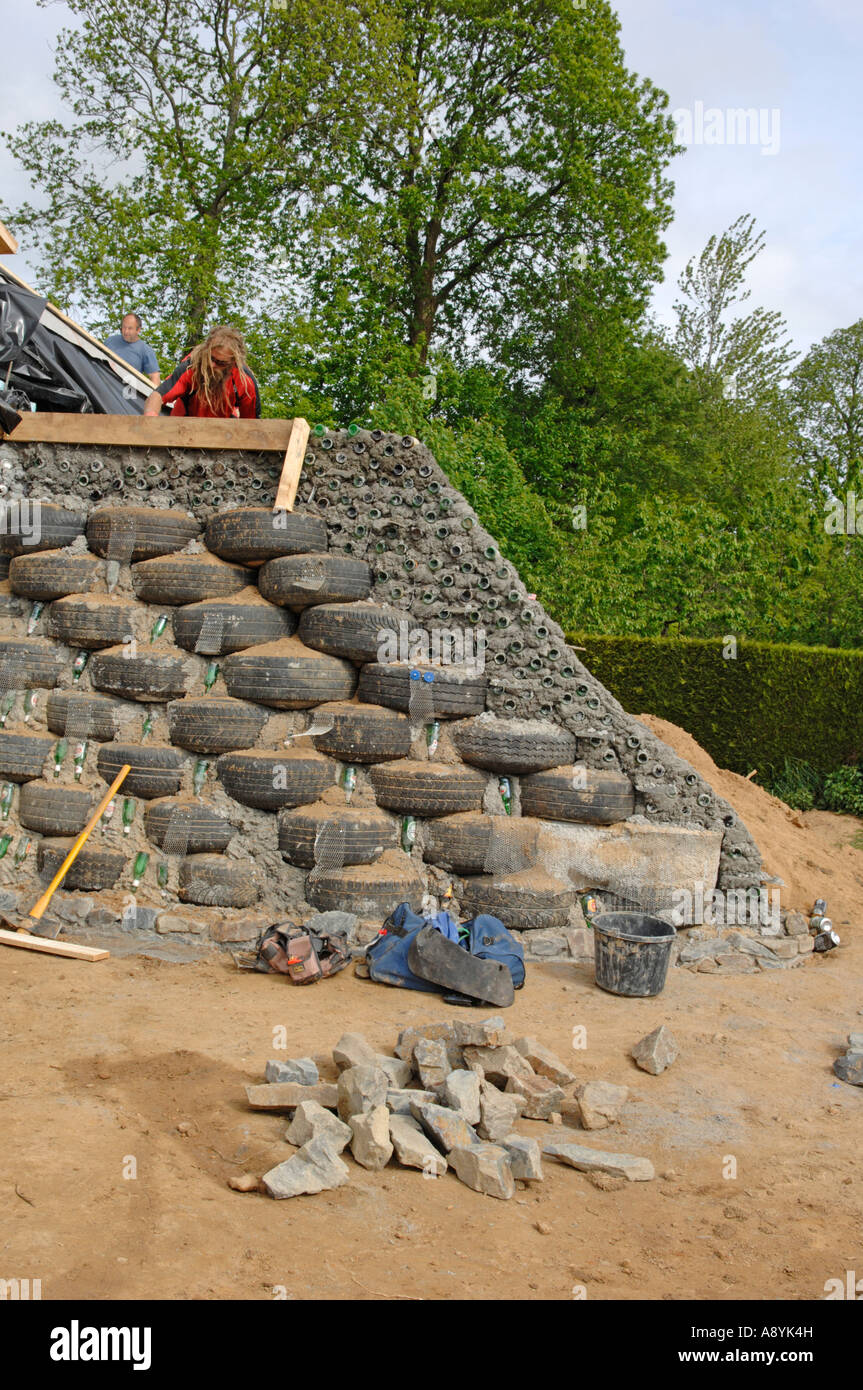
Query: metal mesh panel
point(311, 576)
point(210, 637)
point(503, 855)
point(420, 704)
point(121, 543)
point(329, 850)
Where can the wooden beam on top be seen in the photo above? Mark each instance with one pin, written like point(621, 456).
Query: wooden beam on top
point(292, 466)
point(8, 244)
point(154, 431)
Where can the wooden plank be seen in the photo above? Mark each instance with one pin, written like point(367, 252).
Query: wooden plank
point(8, 244)
point(292, 466)
point(51, 948)
point(154, 431)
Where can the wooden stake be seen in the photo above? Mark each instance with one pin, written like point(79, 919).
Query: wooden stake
point(292, 466)
point(51, 948)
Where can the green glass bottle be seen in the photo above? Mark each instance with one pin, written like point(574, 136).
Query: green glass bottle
point(107, 814)
point(159, 626)
point(60, 751)
point(433, 737)
point(409, 833)
point(162, 873)
point(6, 800)
point(142, 859)
point(6, 706)
point(128, 814)
point(31, 699)
point(5, 842)
point(23, 848)
point(199, 775)
point(349, 781)
point(80, 757)
point(35, 614)
point(147, 725)
point(589, 907)
point(79, 665)
point(504, 786)
point(211, 676)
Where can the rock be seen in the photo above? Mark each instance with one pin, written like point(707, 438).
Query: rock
point(570, 1113)
point(312, 1121)
point(544, 1062)
point(543, 1227)
point(784, 947)
point(9, 902)
point(313, 1168)
point(101, 918)
point(595, 1160)
point(170, 922)
point(285, 1095)
point(370, 1145)
point(695, 950)
point(498, 1113)
point(333, 922)
point(707, 966)
point(412, 1147)
point(398, 1073)
point(361, 1089)
point(74, 909)
point(399, 1102)
point(525, 1158)
point(302, 1070)
point(498, 1063)
point(656, 1051)
point(850, 1068)
point(243, 929)
point(541, 1097)
point(488, 1032)
point(138, 918)
point(485, 1168)
point(796, 924)
point(855, 1042)
point(352, 1050)
point(737, 963)
point(431, 1062)
point(409, 1037)
point(246, 1182)
point(444, 1127)
point(601, 1103)
point(805, 945)
point(461, 1093)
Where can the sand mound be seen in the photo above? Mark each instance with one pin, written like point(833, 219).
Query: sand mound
point(811, 851)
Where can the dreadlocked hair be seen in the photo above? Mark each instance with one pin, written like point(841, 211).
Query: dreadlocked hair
point(208, 383)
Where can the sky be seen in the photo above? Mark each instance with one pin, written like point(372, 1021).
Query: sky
point(796, 166)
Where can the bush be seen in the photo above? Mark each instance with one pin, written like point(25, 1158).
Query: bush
point(843, 791)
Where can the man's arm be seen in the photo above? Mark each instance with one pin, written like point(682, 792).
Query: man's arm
point(155, 378)
point(153, 404)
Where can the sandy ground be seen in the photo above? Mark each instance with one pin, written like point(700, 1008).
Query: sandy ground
point(123, 1114)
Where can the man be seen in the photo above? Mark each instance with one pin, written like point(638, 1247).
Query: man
point(129, 345)
point(213, 381)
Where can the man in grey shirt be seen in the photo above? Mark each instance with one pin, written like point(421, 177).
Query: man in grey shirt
point(129, 345)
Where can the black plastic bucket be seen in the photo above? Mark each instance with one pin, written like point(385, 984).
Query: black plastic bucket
point(632, 951)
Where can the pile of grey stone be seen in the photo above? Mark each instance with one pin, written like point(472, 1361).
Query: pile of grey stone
point(449, 1098)
point(743, 951)
point(850, 1066)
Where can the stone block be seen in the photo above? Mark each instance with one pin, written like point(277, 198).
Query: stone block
point(498, 1112)
point(371, 1145)
point(543, 1061)
point(461, 1093)
point(352, 1050)
point(656, 1051)
point(850, 1068)
point(805, 945)
point(657, 858)
point(541, 1097)
point(399, 1102)
point(170, 922)
point(431, 1063)
point(313, 1168)
point(360, 1089)
point(597, 1161)
point(601, 1103)
point(409, 1037)
point(413, 1148)
point(444, 1127)
point(498, 1063)
point(796, 924)
point(399, 1073)
point(486, 1032)
point(525, 1158)
point(302, 1070)
point(485, 1168)
point(286, 1095)
point(311, 1120)
point(244, 929)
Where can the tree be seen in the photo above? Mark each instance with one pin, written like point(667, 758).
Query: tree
point(750, 354)
point(199, 129)
point(517, 151)
point(827, 407)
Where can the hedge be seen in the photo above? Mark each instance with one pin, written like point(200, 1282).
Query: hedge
point(749, 708)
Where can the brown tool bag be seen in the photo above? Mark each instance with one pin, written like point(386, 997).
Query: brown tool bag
point(305, 957)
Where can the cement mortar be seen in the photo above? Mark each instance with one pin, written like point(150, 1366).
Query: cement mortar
point(388, 503)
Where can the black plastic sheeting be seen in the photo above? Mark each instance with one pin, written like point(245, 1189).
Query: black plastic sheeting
point(52, 372)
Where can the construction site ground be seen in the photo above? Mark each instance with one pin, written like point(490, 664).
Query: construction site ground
point(138, 1065)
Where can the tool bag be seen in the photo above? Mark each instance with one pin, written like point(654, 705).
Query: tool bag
point(485, 937)
point(305, 957)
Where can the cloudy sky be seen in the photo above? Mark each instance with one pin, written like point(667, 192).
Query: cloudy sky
point(797, 167)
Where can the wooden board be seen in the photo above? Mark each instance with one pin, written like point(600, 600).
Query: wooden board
point(51, 948)
point(8, 244)
point(292, 466)
point(153, 431)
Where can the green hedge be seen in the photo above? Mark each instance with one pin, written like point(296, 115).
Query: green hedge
point(749, 711)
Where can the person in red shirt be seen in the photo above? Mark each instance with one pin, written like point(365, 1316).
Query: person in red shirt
point(212, 381)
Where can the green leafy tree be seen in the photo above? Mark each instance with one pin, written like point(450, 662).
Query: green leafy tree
point(827, 406)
